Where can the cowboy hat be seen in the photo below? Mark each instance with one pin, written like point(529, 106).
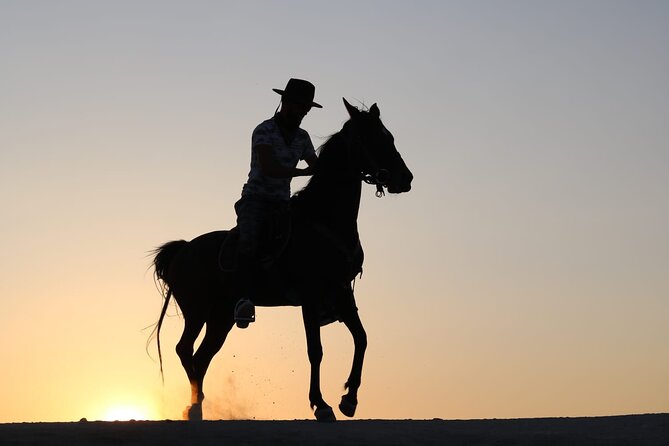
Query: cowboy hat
point(299, 91)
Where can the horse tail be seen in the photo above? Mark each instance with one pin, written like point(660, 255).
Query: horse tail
point(160, 324)
point(161, 263)
point(164, 256)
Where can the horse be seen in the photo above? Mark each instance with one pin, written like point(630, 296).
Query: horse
point(315, 270)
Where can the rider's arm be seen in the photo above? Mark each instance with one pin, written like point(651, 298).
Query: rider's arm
point(269, 167)
point(311, 160)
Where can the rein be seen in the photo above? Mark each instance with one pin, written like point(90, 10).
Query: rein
point(376, 180)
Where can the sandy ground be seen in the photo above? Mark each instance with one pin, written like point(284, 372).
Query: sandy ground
point(633, 430)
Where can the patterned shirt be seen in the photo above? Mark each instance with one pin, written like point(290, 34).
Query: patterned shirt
point(300, 148)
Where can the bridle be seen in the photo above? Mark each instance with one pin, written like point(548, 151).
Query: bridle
point(381, 176)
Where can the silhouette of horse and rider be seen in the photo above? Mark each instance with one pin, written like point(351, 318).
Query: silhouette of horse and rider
point(302, 250)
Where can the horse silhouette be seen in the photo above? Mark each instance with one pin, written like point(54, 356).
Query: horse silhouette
point(314, 271)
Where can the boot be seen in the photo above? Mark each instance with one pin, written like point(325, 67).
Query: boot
point(245, 312)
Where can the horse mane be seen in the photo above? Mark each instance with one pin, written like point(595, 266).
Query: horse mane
point(326, 163)
point(324, 151)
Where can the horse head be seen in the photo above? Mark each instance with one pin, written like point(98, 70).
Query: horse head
point(379, 161)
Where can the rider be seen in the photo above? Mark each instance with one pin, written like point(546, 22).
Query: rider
point(277, 145)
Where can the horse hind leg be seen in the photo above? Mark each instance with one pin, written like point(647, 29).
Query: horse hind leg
point(184, 348)
point(215, 336)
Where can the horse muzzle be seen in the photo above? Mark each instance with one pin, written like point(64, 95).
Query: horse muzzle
point(400, 183)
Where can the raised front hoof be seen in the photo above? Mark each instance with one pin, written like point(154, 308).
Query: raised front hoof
point(193, 413)
point(348, 406)
point(325, 414)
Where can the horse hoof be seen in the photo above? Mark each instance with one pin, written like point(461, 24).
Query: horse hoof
point(325, 414)
point(193, 413)
point(347, 407)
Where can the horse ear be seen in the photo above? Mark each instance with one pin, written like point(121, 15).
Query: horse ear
point(352, 111)
point(374, 110)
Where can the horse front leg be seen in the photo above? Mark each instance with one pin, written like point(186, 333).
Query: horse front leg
point(322, 410)
point(349, 402)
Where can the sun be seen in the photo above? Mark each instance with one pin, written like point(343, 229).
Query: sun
point(124, 406)
point(126, 413)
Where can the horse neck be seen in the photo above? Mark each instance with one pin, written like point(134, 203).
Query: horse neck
point(333, 193)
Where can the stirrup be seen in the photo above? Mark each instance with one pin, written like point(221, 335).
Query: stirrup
point(245, 312)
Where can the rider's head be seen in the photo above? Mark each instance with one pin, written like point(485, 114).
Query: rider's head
point(293, 112)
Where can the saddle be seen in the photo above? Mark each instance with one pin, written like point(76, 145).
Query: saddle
point(272, 244)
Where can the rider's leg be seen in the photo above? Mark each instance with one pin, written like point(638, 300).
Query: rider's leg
point(250, 219)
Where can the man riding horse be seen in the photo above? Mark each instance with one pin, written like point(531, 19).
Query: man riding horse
point(315, 267)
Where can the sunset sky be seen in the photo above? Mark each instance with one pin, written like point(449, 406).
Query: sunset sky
point(525, 275)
